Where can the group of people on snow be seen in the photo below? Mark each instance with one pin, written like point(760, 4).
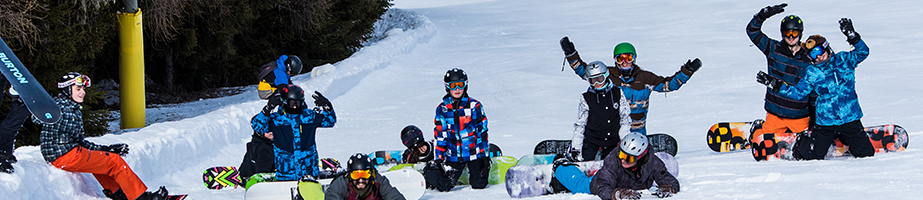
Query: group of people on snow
point(810, 91)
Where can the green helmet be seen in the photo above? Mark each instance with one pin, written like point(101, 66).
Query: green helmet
point(624, 47)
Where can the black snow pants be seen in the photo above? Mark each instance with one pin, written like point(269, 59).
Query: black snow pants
point(850, 133)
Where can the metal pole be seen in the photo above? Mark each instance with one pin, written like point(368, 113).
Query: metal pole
point(131, 67)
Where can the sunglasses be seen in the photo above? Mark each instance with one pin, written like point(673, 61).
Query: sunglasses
point(625, 57)
point(818, 50)
point(791, 33)
point(456, 85)
point(363, 174)
point(627, 158)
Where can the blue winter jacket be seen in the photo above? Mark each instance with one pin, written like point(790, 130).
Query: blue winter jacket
point(293, 140)
point(782, 64)
point(461, 130)
point(835, 84)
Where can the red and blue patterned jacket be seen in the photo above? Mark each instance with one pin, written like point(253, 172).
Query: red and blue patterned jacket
point(461, 130)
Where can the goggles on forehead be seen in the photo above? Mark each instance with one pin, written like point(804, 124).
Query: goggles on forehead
point(82, 80)
point(626, 157)
point(791, 33)
point(625, 57)
point(357, 174)
point(818, 50)
point(456, 85)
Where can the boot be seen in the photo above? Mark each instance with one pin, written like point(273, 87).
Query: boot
point(6, 162)
point(160, 194)
point(117, 195)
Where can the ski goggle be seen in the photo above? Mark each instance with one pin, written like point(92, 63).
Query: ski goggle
point(294, 103)
point(456, 85)
point(625, 57)
point(357, 174)
point(83, 80)
point(791, 33)
point(598, 79)
point(626, 157)
point(818, 50)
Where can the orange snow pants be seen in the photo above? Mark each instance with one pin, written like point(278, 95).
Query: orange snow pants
point(109, 169)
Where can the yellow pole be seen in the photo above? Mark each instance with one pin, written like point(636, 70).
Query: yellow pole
point(131, 70)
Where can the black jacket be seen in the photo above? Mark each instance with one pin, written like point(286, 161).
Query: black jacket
point(613, 175)
point(340, 189)
point(259, 157)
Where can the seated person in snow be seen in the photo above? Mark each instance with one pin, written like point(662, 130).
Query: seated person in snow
point(293, 127)
point(629, 168)
point(602, 116)
point(64, 146)
point(362, 181)
point(418, 150)
point(259, 157)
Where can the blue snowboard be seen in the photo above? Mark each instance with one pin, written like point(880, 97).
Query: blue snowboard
point(33, 95)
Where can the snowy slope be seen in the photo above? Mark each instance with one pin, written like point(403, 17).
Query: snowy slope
point(510, 50)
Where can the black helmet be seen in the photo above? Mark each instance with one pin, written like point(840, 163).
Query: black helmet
point(293, 64)
point(455, 75)
point(72, 78)
point(361, 161)
point(411, 135)
point(792, 22)
point(293, 97)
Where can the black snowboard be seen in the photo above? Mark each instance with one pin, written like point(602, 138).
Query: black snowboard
point(661, 142)
point(37, 100)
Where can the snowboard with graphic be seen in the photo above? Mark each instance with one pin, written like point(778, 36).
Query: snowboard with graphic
point(33, 95)
point(778, 146)
point(221, 177)
point(731, 136)
point(532, 175)
point(661, 142)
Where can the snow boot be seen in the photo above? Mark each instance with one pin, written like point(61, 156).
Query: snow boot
point(117, 195)
point(160, 194)
point(560, 160)
point(6, 162)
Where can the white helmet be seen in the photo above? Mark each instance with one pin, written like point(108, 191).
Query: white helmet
point(634, 144)
point(596, 72)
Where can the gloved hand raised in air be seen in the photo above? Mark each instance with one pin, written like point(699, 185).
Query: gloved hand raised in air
point(567, 46)
point(693, 65)
point(321, 102)
point(846, 27)
point(769, 11)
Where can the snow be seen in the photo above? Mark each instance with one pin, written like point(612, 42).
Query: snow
point(510, 51)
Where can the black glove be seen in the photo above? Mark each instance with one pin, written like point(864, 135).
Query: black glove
point(769, 11)
point(275, 100)
point(625, 193)
point(693, 65)
point(846, 27)
point(567, 46)
point(267, 110)
point(321, 101)
point(772, 82)
point(121, 149)
point(665, 191)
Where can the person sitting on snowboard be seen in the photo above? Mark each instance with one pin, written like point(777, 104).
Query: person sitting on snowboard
point(259, 157)
point(277, 73)
point(361, 182)
point(627, 169)
point(636, 83)
point(601, 115)
point(461, 137)
point(63, 144)
point(294, 126)
point(418, 150)
point(832, 77)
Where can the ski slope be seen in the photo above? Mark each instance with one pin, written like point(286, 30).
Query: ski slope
point(510, 51)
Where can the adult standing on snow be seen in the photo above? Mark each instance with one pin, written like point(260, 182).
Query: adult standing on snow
point(833, 78)
point(601, 115)
point(785, 61)
point(294, 126)
point(9, 128)
point(636, 83)
point(64, 146)
point(418, 149)
point(277, 73)
point(361, 182)
point(461, 137)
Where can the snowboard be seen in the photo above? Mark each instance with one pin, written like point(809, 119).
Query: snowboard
point(532, 177)
point(778, 146)
point(386, 157)
point(33, 95)
point(661, 142)
point(498, 167)
point(731, 136)
point(409, 182)
point(217, 178)
point(177, 197)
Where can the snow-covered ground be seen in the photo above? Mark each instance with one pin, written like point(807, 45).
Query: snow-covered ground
point(510, 51)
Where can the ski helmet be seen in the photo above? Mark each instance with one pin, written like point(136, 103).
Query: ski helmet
point(634, 145)
point(292, 97)
point(792, 22)
point(816, 45)
point(72, 78)
point(623, 48)
point(293, 64)
point(360, 161)
point(596, 72)
point(411, 135)
point(456, 75)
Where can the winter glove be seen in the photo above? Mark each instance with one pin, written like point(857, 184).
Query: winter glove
point(772, 82)
point(846, 27)
point(322, 102)
point(121, 149)
point(275, 100)
point(567, 46)
point(769, 11)
point(665, 191)
point(625, 193)
point(693, 65)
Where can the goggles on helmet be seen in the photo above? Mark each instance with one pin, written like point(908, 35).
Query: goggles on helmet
point(363, 174)
point(82, 80)
point(598, 79)
point(791, 33)
point(456, 85)
point(628, 158)
point(625, 57)
point(818, 50)
point(293, 103)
